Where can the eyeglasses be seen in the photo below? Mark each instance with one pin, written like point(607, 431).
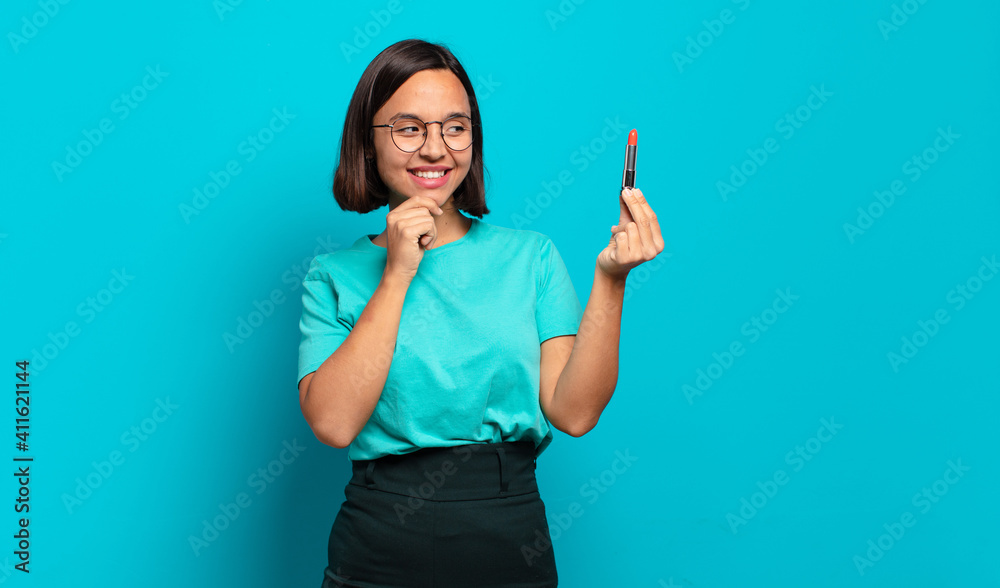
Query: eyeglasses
point(409, 134)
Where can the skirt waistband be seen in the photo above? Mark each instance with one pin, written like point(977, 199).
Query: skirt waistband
point(463, 472)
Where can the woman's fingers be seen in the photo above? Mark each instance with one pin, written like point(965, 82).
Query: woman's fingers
point(621, 247)
point(641, 213)
point(634, 241)
point(624, 216)
point(418, 212)
point(419, 227)
point(637, 237)
point(654, 224)
point(651, 238)
point(420, 202)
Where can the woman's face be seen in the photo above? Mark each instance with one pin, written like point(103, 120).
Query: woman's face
point(430, 95)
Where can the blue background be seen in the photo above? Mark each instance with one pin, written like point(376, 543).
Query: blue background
point(549, 76)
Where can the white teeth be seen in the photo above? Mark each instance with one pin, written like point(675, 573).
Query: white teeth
point(430, 175)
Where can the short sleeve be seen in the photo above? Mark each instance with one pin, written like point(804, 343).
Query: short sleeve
point(558, 310)
point(322, 329)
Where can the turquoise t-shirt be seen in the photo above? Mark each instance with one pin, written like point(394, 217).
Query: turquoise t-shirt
point(467, 359)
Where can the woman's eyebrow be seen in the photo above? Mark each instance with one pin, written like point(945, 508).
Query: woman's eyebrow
point(402, 115)
point(409, 115)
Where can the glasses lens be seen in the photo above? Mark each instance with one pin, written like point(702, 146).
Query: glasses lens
point(457, 132)
point(408, 134)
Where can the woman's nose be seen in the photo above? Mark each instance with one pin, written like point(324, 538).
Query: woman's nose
point(434, 146)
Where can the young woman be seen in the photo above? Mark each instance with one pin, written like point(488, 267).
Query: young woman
point(441, 350)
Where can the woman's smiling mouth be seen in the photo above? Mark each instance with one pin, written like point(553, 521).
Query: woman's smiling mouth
point(430, 177)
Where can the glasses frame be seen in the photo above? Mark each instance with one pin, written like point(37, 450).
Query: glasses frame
point(424, 141)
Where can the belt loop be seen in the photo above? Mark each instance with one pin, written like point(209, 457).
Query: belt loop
point(503, 467)
point(370, 474)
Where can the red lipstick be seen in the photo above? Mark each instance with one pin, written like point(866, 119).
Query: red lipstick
point(628, 176)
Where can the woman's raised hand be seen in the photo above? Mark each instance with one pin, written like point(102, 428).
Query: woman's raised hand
point(634, 240)
point(410, 228)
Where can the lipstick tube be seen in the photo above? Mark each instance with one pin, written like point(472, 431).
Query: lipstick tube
point(628, 176)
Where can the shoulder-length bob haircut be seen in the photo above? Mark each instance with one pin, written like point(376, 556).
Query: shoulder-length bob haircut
point(357, 185)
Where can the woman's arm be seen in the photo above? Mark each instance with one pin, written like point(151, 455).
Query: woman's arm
point(579, 373)
point(340, 396)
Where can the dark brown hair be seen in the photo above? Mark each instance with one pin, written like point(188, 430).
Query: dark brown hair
point(357, 185)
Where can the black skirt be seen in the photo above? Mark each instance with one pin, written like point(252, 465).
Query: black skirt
point(468, 516)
